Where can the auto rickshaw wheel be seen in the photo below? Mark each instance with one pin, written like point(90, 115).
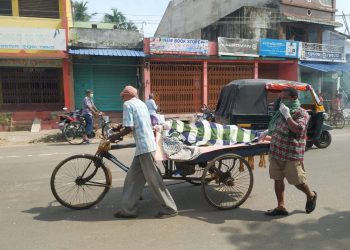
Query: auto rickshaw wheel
point(227, 181)
point(309, 144)
point(324, 141)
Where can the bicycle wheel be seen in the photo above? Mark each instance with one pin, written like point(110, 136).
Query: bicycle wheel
point(106, 130)
point(339, 121)
point(227, 181)
point(80, 181)
point(74, 133)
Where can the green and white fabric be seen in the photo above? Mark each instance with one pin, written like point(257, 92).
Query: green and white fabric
point(206, 133)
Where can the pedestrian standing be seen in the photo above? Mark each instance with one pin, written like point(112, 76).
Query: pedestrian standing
point(152, 108)
point(288, 139)
point(136, 119)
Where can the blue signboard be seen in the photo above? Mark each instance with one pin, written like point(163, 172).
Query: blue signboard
point(279, 48)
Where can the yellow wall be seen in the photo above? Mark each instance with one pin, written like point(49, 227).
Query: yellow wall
point(29, 22)
point(16, 21)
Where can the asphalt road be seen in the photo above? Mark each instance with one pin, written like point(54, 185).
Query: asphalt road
point(30, 218)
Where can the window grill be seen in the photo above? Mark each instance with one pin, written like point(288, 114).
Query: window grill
point(30, 86)
point(39, 8)
point(6, 8)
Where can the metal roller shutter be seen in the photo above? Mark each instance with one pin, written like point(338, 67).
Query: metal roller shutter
point(106, 77)
point(109, 81)
point(82, 81)
point(177, 86)
point(221, 74)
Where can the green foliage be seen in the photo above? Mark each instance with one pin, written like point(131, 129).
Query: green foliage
point(80, 11)
point(119, 19)
point(5, 119)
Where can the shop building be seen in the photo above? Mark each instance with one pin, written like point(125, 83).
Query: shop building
point(288, 33)
point(186, 73)
point(105, 60)
point(34, 65)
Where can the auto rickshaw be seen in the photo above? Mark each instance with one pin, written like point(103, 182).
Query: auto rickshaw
point(251, 103)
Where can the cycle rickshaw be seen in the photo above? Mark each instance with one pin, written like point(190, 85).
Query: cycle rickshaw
point(81, 181)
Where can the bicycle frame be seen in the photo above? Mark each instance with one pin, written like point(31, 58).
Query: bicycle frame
point(114, 160)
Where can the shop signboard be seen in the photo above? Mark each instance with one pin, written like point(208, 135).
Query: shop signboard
point(161, 45)
point(279, 48)
point(322, 53)
point(32, 39)
point(238, 47)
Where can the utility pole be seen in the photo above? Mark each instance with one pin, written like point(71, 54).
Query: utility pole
point(346, 24)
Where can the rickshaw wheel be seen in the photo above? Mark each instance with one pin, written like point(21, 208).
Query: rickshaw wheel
point(227, 181)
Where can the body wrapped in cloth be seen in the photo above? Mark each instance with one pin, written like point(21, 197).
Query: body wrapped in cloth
point(206, 133)
point(181, 141)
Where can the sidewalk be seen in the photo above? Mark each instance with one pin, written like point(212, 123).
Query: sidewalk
point(26, 137)
point(44, 136)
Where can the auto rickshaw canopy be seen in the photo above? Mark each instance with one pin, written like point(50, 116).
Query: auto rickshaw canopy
point(249, 96)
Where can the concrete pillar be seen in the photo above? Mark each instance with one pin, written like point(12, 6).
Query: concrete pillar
point(256, 70)
point(205, 82)
point(15, 9)
point(147, 79)
point(66, 84)
point(319, 84)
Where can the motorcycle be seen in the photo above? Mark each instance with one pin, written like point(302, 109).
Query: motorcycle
point(73, 127)
point(68, 118)
point(206, 114)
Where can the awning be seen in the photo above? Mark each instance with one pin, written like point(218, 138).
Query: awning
point(311, 20)
point(327, 67)
point(107, 52)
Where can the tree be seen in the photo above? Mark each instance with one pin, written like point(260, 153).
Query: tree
point(80, 11)
point(131, 26)
point(118, 18)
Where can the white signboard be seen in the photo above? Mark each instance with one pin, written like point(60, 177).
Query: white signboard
point(164, 45)
point(32, 39)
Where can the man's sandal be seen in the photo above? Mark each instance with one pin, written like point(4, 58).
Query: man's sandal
point(311, 204)
point(276, 212)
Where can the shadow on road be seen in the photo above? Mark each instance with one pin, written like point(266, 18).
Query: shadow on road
point(328, 232)
point(189, 199)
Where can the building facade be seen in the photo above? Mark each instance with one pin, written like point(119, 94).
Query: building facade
point(291, 36)
point(34, 64)
point(105, 60)
point(184, 75)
